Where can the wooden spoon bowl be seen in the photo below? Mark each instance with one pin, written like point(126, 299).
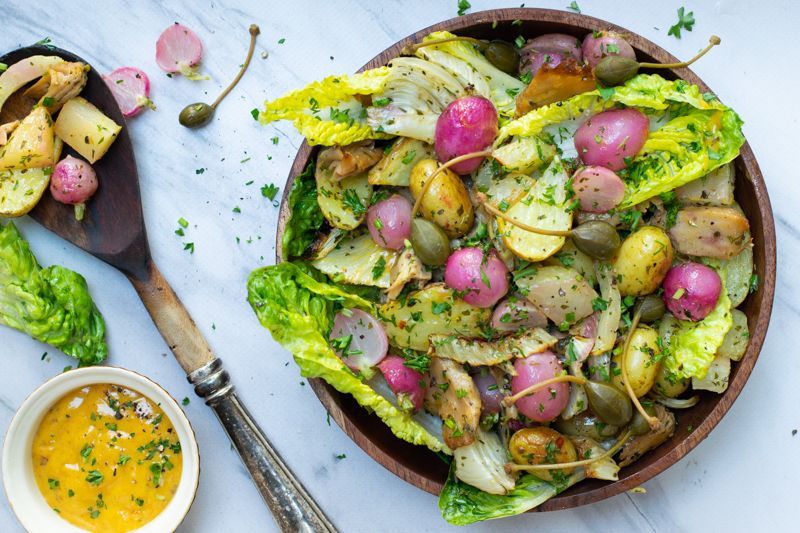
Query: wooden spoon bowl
point(424, 469)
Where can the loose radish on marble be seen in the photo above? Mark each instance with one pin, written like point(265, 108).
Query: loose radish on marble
point(406, 383)
point(73, 182)
point(131, 89)
point(178, 51)
point(359, 339)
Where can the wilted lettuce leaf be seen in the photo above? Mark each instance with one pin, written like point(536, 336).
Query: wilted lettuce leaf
point(305, 218)
point(297, 306)
point(463, 504)
point(693, 345)
point(51, 305)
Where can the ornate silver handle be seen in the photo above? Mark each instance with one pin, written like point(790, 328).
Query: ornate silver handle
point(291, 505)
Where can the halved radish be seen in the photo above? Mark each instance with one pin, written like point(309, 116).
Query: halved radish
point(598, 189)
point(131, 89)
point(179, 50)
point(359, 339)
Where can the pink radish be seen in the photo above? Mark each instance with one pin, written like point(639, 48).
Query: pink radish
point(389, 222)
point(482, 278)
point(131, 89)
point(545, 404)
point(73, 182)
point(598, 189)
point(359, 339)
point(179, 50)
point(491, 395)
point(406, 383)
point(514, 313)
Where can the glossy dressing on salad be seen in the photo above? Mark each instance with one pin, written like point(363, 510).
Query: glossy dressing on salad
point(106, 458)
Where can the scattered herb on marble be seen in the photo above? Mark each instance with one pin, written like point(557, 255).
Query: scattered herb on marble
point(574, 7)
point(685, 21)
point(463, 6)
point(269, 191)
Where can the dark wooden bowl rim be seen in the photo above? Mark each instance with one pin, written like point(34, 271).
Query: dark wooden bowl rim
point(421, 467)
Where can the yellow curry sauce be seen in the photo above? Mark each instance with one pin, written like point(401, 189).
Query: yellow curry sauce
point(106, 458)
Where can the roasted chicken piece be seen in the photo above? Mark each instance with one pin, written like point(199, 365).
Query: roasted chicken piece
point(61, 83)
point(553, 84)
point(406, 268)
point(453, 395)
point(638, 446)
point(344, 161)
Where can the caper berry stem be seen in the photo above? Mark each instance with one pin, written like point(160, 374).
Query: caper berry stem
point(509, 400)
point(652, 421)
point(254, 31)
point(410, 49)
point(521, 225)
point(513, 467)
point(439, 169)
point(712, 42)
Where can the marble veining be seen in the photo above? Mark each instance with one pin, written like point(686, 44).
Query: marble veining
point(742, 478)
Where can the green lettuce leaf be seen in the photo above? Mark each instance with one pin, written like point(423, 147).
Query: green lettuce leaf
point(462, 504)
point(693, 345)
point(305, 215)
point(295, 304)
point(52, 305)
point(699, 135)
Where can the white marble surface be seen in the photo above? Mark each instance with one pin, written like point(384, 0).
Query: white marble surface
point(743, 477)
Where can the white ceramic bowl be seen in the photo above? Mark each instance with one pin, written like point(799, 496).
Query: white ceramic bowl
point(27, 501)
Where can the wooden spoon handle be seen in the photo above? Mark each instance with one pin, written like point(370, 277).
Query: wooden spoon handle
point(173, 321)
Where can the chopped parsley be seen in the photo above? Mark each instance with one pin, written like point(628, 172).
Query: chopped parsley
point(685, 22)
point(94, 477)
point(269, 191)
point(463, 6)
point(379, 268)
point(574, 6)
point(354, 203)
point(437, 308)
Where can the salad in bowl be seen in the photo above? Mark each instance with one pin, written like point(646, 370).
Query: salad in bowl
point(525, 257)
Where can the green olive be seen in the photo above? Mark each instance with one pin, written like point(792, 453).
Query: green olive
point(615, 70)
point(430, 242)
point(503, 56)
point(585, 425)
point(597, 239)
point(651, 308)
point(640, 426)
point(196, 115)
point(610, 404)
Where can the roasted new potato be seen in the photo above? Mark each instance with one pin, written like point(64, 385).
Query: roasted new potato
point(641, 361)
point(446, 201)
point(642, 261)
point(31, 145)
point(541, 445)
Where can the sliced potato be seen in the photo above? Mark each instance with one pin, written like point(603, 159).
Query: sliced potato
point(395, 167)
point(719, 232)
point(713, 189)
point(477, 352)
point(343, 202)
point(716, 379)
point(734, 345)
point(562, 294)
point(543, 207)
point(21, 190)
point(358, 261)
point(86, 129)
point(31, 144)
point(433, 310)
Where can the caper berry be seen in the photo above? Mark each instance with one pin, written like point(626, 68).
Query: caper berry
point(650, 308)
point(503, 56)
point(196, 115)
point(597, 239)
point(639, 424)
point(615, 70)
point(430, 242)
point(610, 404)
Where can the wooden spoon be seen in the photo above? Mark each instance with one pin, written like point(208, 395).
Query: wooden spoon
point(113, 230)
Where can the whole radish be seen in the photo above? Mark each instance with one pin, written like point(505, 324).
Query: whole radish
point(609, 138)
point(545, 404)
point(552, 49)
point(131, 89)
point(482, 278)
point(178, 51)
point(597, 188)
point(691, 291)
point(600, 44)
point(468, 124)
point(73, 182)
point(389, 222)
point(407, 384)
point(359, 339)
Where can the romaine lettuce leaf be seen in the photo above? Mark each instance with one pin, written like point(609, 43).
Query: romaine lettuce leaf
point(693, 345)
point(463, 504)
point(52, 305)
point(295, 304)
point(306, 216)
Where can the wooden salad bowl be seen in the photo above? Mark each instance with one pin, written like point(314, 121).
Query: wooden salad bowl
point(421, 467)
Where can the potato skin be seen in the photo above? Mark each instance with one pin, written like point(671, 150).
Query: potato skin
point(641, 361)
point(643, 261)
point(529, 446)
point(446, 202)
